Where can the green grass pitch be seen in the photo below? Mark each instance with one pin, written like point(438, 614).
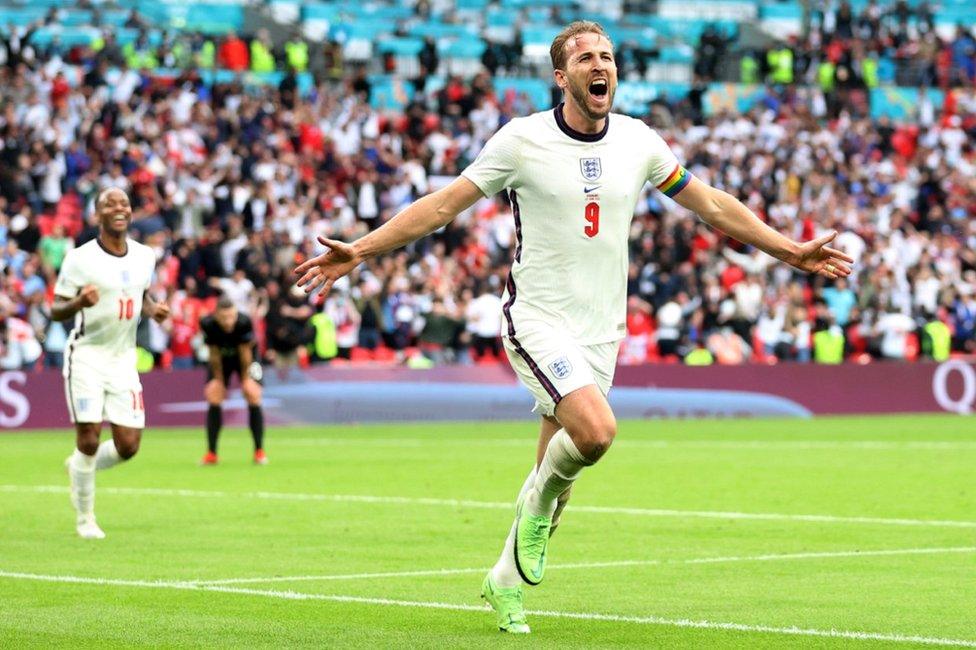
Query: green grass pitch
point(832, 532)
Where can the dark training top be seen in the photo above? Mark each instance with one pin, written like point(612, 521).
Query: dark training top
point(241, 334)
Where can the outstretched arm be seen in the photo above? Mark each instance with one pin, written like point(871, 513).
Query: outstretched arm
point(422, 217)
point(726, 213)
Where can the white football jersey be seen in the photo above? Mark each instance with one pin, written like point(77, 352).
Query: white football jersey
point(107, 328)
point(573, 196)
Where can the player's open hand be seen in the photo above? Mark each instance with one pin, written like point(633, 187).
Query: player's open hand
point(816, 256)
point(319, 273)
point(161, 312)
point(88, 295)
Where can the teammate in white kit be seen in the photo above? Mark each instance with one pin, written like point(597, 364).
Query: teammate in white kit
point(102, 284)
point(573, 175)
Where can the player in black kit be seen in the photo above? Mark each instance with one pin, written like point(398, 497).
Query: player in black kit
point(230, 337)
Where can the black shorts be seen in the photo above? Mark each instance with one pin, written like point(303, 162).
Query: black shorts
point(231, 366)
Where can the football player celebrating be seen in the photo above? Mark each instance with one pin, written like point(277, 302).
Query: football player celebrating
point(573, 175)
point(102, 285)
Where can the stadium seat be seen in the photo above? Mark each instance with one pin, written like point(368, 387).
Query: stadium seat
point(358, 354)
point(384, 354)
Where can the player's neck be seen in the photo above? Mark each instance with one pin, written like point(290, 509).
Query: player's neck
point(577, 121)
point(113, 244)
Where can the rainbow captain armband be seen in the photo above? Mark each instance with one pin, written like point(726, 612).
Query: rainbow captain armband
point(675, 182)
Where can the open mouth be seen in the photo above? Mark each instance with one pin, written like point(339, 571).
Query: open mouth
point(599, 88)
point(120, 218)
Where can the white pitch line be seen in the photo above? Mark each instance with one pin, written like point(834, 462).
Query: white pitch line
point(584, 616)
point(601, 565)
point(496, 505)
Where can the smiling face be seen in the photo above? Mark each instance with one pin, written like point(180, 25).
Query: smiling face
point(590, 74)
point(114, 212)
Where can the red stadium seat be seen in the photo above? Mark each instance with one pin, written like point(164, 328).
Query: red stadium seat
point(358, 354)
point(384, 354)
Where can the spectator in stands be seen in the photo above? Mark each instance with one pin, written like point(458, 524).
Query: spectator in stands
point(840, 300)
point(262, 53)
point(482, 316)
point(233, 53)
point(226, 179)
point(893, 329)
point(342, 311)
point(53, 247)
point(239, 289)
point(964, 321)
point(288, 325)
point(439, 338)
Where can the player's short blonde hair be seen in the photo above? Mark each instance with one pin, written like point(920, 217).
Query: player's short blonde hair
point(101, 196)
point(557, 52)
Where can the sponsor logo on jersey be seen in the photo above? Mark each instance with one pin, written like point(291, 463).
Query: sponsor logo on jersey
point(587, 190)
point(591, 168)
point(561, 368)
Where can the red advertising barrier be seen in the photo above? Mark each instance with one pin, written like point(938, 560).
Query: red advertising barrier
point(883, 387)
point(36, 399)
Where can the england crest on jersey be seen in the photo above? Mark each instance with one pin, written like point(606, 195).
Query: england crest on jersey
point(561, 368)
point(591, 168)
point(125, 277)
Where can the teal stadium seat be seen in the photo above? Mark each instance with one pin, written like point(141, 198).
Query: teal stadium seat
point(462, 56)
point(68, 36)
point(441, 31)
point(76, 18)
point(21, 16)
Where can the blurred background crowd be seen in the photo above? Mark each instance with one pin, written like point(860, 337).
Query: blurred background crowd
point(232, 176)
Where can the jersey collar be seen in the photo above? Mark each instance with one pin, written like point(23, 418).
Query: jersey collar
point(113, 254)
point(573, 133)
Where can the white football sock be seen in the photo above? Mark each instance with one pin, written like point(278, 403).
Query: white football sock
point(82, 469)
point(560, 466)
point(107, 455)
point(504, 572)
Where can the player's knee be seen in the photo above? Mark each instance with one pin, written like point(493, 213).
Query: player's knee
point(128, 446)
point(214, 393)
point(87, 439)
point(252, 393)
point(596, 437)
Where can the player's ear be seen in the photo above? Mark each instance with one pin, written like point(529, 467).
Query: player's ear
point(560, 78)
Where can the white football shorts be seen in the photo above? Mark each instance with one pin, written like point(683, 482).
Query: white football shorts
point(103, 391)
point(552, 365)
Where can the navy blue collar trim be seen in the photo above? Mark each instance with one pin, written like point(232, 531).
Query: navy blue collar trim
point(573, 133)
point(112, 253)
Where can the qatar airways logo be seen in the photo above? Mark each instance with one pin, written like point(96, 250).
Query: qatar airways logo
point(14, 406)
point(953, 400)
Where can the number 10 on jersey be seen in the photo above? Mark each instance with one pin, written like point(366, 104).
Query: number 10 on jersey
point(592, 215)
point(126, 309)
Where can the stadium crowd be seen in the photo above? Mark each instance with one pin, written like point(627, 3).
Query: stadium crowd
point(231, 188)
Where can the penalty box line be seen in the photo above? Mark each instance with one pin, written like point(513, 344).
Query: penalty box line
point(584, 616)
point(602, 565)
point(494, 505)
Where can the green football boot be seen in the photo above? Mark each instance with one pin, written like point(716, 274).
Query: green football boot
point(507, 604)
point(531, 541)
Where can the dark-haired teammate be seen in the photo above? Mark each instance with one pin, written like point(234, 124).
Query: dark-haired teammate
point(574, 175)
point(230, 337)
point(102, 285)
